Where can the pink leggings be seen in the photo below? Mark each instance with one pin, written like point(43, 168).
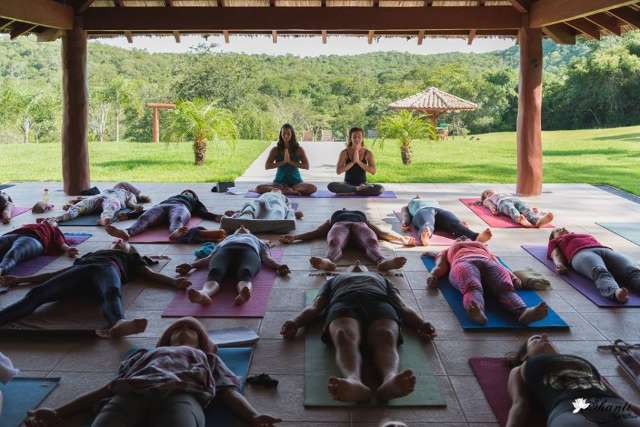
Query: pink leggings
point(359, 233)
point(472, 275)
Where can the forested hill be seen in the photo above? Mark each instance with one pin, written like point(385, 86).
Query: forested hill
point(331, 92)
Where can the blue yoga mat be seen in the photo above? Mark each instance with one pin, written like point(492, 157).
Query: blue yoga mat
point(22, 395)
point(497, 318)
point(5, 186)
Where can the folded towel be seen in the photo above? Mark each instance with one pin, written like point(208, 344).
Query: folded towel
point(531, 279)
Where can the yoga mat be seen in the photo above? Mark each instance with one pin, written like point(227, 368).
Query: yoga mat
point(581, 284)
point(497, 317)
point(73, 315)
point(5, 186)
point(492, 374)
point(498, 220)
point(15, 211)
point(629, 231)
point(36, 264)
point(321, 194)
point(87, 220)
point(22, 395)
point(437, 239)
point(234, 337)
point(319, 365)
point(222, 305)
point(160, 234)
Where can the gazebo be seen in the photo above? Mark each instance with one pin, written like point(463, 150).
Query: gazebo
point(528, 21)
point(433, 102)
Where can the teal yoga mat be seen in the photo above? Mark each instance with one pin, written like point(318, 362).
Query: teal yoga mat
point(497, 318)
point(627, 230)
point(87, 220)
point(319, 364)
point(22, 395)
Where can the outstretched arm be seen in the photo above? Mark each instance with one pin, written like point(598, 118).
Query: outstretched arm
point(241, 407)
point(11, 281)
point(388, 236)
point(440, 270)
point(149, 274)
point(184, 269)
point(319, 232)
point(414, 321)
point(309, 314)
point(519, 412)
point(559, 261)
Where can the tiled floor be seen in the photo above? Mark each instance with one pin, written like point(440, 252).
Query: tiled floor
point(85, 363)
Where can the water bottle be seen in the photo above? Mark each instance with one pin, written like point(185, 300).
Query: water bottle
point(45, 196)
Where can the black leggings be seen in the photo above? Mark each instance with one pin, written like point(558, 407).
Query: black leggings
point(239, 262)
point(437, 219)
point(101, 281)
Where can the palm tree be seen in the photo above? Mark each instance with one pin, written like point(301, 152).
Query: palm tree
point(405, 126)
point(203, 122)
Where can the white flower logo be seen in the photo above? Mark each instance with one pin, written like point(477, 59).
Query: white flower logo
point(580, 404)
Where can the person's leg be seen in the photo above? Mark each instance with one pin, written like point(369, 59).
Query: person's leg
point(425, 222)
point(382, 339)
point(624, 270)
point(525, 210)
point(342, 188)
point(218, 266)
point(337, 239)
point(345, 336)
point(265, 188)
point(465, 277)
point(367, 240)
point(83, 207)
point(179, 217)
point(589, 263)
point(370, 190)
point(155, 215)
point(508, 208)
point(127, 410)
point(305, 188)
point(447, 222)
point(249, 264)
point(177, 409)
point(6, 241)
point(110, 206)
point(250, 210)
point(23, 248)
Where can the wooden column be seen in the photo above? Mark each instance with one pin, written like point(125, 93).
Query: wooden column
point(75, 150)
point(155, 125)
point(530, 111)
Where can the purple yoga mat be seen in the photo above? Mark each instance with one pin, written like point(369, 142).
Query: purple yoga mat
point(222, 305)
point(36, 264)
point(160, 234)
point(497, 221)
point(15, 211)
point(437, 239)
point(583, 285)
point(321, 194)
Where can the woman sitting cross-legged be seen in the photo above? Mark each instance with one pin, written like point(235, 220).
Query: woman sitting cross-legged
point(239, 256)
point(355, 162)
point(30, 241)
point(97, 275)
point(427, 217)
point(613, 273)
point(472, 269)
point(363, 310)
point(170, 385)
point(569, 389)
point(345, 227)
point(288, 157)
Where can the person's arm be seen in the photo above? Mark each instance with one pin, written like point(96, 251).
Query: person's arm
point(405, 218)
point(413, 320)
point(440, 270)
point(309, 314)
point(388, 236)
point(319, 232)
point(519, 411)
point(241, 407)
point(488, 203)
point(281, 269)
point(342, 165)
point(11, 281)
point(304, 161)
point(180, 283)
point(184, 269)
point(70, 251)
point(559, 261)
point(210, 216)
point(370, 166)
point(271, 160)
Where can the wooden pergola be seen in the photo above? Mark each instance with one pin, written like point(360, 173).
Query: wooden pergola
point(527, 20)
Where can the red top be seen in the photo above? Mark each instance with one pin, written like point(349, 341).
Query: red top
point(572, 243)
point(51, 237)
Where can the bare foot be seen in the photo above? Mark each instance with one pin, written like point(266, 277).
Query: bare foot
point(346, 390)
point(116, 232)
point(397, 386)
point(424, 238)
point(476, 314)
point(485, 236)
point(544, 220)
point(322, 263)
point(124, 327)
point(622, 295)
point(179, 233)
point(392, 264)
point(524, 222)
point(533, 314)
point(198, 297)
point(243, 296)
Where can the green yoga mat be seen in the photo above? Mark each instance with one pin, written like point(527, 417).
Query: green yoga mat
point(627, 230)
point(319, 365)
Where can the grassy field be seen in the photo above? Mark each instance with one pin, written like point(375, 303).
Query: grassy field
point(142, 162)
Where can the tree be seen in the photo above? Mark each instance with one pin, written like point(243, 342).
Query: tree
point(203, 122)
point(405, 126)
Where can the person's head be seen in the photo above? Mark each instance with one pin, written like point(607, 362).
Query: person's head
point(486, 194)
point(356, 138)
point(124, 246)
point(535, 345)
point(190, 193)
point(287, 138)
point(356, 267)
point(187, 332)
point(557, 232)
point(242, 230)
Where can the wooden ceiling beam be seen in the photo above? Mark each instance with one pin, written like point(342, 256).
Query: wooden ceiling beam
point(547, 12)
point(560, 33)
point(520, 6)
point(44, 13)
point(6, 23)
point(200, 19)
point(586, 27)
point(82, 6)
point(606, 22)
point(420, 37)
point(20, 28)
point(627, 15)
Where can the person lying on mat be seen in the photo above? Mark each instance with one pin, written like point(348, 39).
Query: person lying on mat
point(239, 256)
point(176, 211)
point(359, 307)
point(6, 207)
point(568, 388)
point(472, 269)
point(514, 208)
point(97, 275)
point(355, 162)
point(288, 157)
point(170, 385)
point(427, 217)
point(123, 195)
point(613, 273)
point(272, 204)
point(30, 241)
point(345, 227)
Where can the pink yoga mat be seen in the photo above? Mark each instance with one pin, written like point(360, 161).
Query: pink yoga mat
point(497, 221)
point(437, 239)
point(160, 234)
point(492, 374)
point(15, 211)
point(222, 305)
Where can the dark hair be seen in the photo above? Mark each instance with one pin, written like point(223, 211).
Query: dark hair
point(351, 132)
point(483, 196)
point(517, 358)
point(193, 193)
point(293, 143)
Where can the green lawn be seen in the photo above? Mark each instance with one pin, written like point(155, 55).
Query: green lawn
point(142, 162)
